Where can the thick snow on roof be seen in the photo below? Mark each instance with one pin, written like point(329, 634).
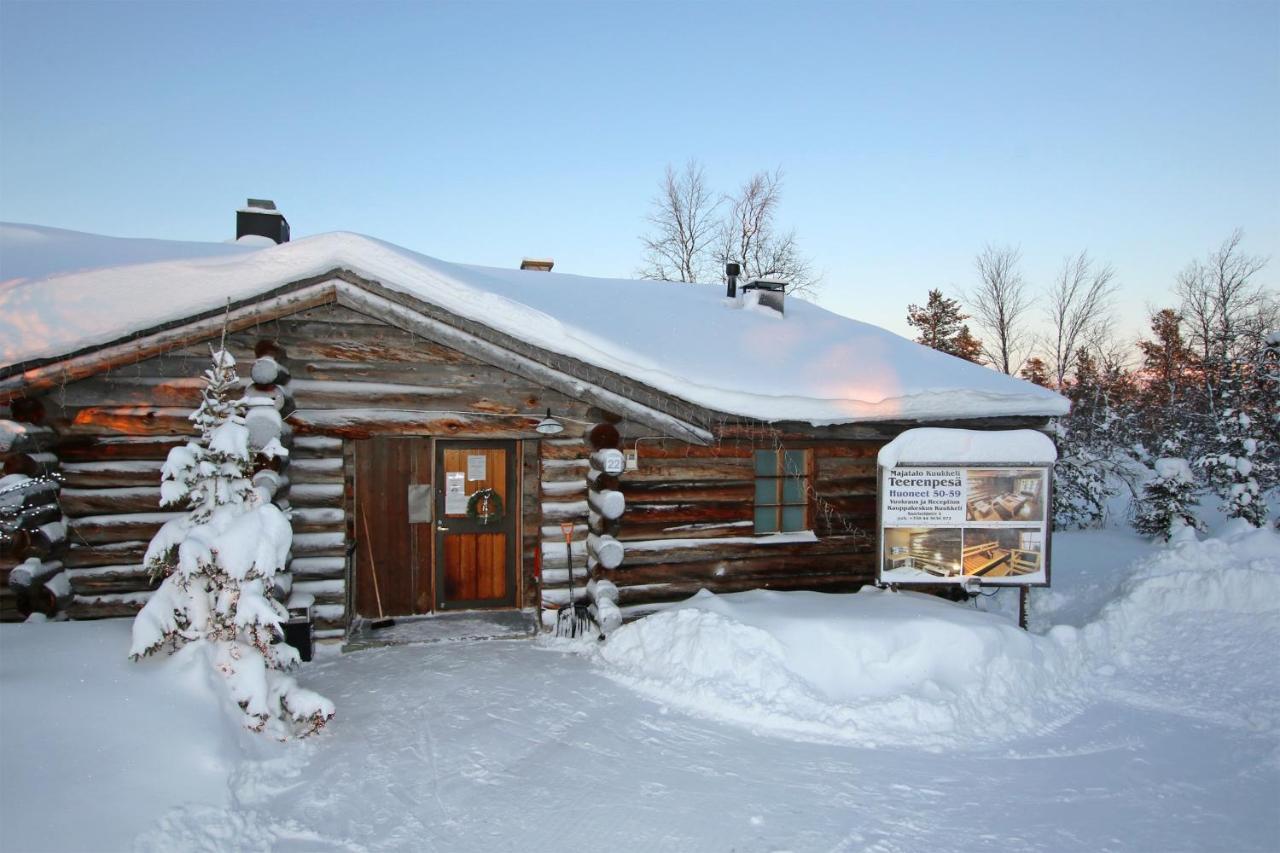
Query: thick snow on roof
point(963, 446)
point(687, 340)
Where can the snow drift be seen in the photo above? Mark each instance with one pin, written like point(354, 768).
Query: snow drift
point(875, 667)
point(886, 668)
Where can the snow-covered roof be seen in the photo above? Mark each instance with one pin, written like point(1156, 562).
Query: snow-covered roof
point(63, 291)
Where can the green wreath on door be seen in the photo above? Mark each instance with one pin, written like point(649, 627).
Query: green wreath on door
point(485, 506)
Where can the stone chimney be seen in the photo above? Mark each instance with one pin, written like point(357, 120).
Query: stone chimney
point(539, 264)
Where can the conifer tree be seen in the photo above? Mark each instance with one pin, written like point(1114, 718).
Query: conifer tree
point(1168, 500)
point(1233, 461)
point(1036, 371)
point(942, 327)
point(218, 563)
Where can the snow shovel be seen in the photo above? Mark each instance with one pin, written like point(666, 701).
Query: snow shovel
point(574, 619)
point(382, 621)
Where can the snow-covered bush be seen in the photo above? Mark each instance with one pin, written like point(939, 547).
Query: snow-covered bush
point(218, 564)
point(1167, 501)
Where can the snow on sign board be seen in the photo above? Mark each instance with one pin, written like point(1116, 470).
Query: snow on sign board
point(950, 515)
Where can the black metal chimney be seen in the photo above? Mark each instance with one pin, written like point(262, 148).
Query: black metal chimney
point(731, 272)
point(260, 218)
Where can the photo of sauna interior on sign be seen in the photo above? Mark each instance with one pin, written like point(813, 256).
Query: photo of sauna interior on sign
point(1004, 552)
point(1005, 494)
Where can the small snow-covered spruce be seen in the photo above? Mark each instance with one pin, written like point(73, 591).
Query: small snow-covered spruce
point(218, 563)
point(1167, 501)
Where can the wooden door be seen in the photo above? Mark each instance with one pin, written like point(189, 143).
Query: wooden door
point(393, 535)
point(476, 549)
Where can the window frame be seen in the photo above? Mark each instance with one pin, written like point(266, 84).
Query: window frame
point(781, 477)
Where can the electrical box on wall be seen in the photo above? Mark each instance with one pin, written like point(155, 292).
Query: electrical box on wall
point(633, 459)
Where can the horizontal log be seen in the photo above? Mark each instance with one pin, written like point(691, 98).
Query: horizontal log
point(663, 592)
point(671, 553)
point(317, 568)
point(127, 527)
point(637, 531)
point(136, 389)
point(82, 502)
point(31, 574)
point(309, 446)
point(18, 437)
point(364, 423)
point(563, 448)
point(688, 513)
point(115, 553)
point(317, 519)
point(690, 469)
point(319, 544)
point(316, 494)
point(567, 490)
point(322, 470)
point(106, 606)
point(19, 490)
point(30, 517)
point(129, 420)
point(34, 464)
point(564, 510)
point(689, 492)
point(103, 580)
point(113, 473)
point(104, 448)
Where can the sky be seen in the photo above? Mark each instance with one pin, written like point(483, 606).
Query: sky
point(910, 134)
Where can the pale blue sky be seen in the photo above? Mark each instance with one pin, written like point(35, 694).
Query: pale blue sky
point(910, 133)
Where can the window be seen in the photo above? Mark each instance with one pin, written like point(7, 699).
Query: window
point(782, 490)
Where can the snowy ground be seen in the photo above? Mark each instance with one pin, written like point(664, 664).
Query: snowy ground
point(1164, 734)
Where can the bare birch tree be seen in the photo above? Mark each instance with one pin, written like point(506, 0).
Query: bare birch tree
point(999, 304)
point(683, 217)
point(1225, 310)
point(750, 236)
point(1079, 312)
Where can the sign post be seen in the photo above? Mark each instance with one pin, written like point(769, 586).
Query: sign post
point(968, 509)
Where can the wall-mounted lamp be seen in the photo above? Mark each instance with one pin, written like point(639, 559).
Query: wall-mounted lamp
point(549, 425)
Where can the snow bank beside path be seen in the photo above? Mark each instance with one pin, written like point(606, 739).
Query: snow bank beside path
point(85, 729)
point(877, 667)
point(870, 668)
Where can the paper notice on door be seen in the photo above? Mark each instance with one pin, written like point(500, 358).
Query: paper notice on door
point(476, 468)
point(455, 493)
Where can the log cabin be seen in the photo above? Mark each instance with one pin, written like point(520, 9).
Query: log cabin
point(459, 437)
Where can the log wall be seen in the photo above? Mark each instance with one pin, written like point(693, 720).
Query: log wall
point(686, 524)
point(346, 377)
point(689, 522)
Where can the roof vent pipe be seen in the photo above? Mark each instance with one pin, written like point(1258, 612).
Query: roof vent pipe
point(731, 272)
